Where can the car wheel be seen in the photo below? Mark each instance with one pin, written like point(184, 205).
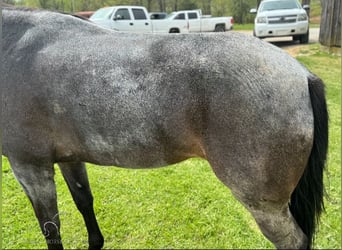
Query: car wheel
point(295, 38)
point(174, 30)
point(220, 28)
point(304, 38)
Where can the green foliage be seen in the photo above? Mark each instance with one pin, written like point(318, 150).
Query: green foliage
point(238, 9)
point(220, 8)
point(12, 2)
point(214, 7)
point(182, 206)
point(315, 8)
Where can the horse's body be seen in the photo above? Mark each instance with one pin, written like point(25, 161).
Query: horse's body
point(73, 93)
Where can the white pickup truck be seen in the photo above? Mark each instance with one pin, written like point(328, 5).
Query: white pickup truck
point(187, 21)
point(123, 18)
point(136, 19)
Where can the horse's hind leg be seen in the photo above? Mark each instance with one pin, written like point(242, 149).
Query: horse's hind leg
point(277, 224)
point(38, 183)
point(75, 175)
point(271, 214)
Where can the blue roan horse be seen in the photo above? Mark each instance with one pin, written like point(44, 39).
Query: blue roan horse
point(74, 93)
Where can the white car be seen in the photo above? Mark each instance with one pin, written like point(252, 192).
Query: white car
point(281, 18)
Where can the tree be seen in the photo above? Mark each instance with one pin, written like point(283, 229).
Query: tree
point(188, 5)
point(206, 7)
point(8, 2)
point(220, 7)
point(175, 6)
point(306, 2)
point(330, 30)
point(162, 5)
point(241, 9)
point(258, 3)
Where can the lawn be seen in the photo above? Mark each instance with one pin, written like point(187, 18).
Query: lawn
point(182, 206)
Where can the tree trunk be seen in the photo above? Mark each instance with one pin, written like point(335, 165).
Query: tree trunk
point(162, 5)
point(175, 7)
point(306, 2)
point(149, 5)
point(258, 3)
point(206, 4)
point(330, 29)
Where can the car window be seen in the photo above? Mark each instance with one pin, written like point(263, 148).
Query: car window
point(180, 16)
point(122, 14)
point(139, 14)
point(192, 15)
point(158, 15)
point(102, 13)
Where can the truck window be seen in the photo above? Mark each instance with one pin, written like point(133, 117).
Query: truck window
point(180, 16)
point(279, 5)
point(122, 14)
point(192, 15)
point(139, 14)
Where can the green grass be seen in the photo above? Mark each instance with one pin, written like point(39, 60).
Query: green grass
point(315, 11)
point(247, 26)
point(182, 206)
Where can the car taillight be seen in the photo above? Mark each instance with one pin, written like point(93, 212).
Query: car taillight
point(232, 20)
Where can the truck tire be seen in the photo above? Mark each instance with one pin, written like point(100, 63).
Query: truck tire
point(174, 30)
point(220, 28)
point(295, 38)
point(303, 39)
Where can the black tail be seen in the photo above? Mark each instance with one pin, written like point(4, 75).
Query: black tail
point(307, 199)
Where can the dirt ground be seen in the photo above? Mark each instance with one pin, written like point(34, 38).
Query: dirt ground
point(296, 50)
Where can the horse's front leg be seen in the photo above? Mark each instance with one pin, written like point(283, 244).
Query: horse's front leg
point(75, 175)
point(37, 181)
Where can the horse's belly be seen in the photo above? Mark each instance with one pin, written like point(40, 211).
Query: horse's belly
point(128, 154)
point(130, 150)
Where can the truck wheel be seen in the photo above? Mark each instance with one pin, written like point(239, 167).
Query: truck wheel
point(174, 30)
point(220, 28)
point(295, 38)
point(304, 38)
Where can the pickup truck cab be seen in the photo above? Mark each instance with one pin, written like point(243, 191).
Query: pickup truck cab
point(281, 18)
point(123, 18)
point(187, 21)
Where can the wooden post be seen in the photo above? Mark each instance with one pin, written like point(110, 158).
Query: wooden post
point(330, 29)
